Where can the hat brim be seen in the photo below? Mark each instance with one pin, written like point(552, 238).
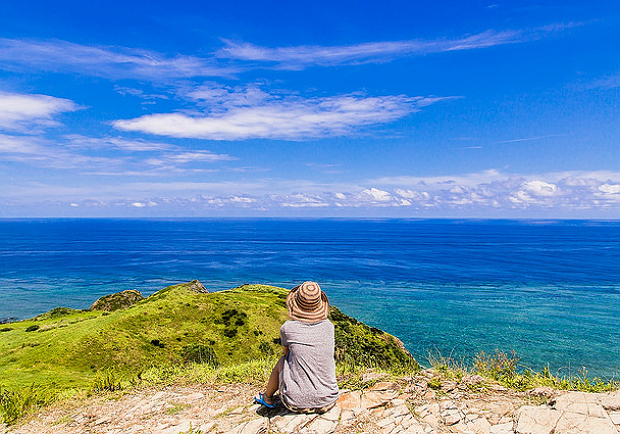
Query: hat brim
point(295, 312)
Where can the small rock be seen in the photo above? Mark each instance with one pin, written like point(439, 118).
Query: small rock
point(480, 426)
point(373, 399)
point(473, 379)
point(182, 427)
point(504, 428)
point(102, 420)
point(448, 386)
point(206, 427)
point(451, 417)
point(290, 422)
point(255, 426)
point(350, 400)
point(385, 385)
point(415, 429)
point(610, 401)
point(546, 392)
point(158, 396)
point(372, 376)
point(497, 388)
point(333, 414)
point(322, 426)
point(198, 287)
point(346, 415)
point(536, 420)
point(194, 396)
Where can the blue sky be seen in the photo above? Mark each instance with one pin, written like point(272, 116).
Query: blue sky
point(342, 109)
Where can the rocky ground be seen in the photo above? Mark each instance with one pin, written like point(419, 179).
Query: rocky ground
point(409, 405)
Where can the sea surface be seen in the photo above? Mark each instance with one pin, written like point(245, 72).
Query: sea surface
point(549, 290)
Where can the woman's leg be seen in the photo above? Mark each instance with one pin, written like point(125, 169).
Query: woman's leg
point(274, 381)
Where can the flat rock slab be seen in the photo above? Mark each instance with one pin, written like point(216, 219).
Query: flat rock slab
point(408, 406)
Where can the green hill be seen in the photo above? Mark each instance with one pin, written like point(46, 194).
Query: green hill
point(178, 325)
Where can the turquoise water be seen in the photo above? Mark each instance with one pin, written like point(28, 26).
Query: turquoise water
point(548, 290)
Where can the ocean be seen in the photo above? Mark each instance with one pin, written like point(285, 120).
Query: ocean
point(549, 290)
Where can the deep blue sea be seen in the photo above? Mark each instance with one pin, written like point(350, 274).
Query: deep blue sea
point(550, 290)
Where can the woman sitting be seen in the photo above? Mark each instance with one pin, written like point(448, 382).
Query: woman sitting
point(306, 374)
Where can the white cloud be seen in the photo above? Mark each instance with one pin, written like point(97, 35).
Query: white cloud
point(301, 201)
point(21, 112)
point(299, 57)
point(112, 62)
point(610, 188)
point(287, 118)
point(541, 188)
point(376, 194)
point(410, 194)
point(553, 194)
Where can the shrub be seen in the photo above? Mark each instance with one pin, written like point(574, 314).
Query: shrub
point(106, 381)
point(32, 328)
point(14, 404)
point(6, 329)
point(157, 343)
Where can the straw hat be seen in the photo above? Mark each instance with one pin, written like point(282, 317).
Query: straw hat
point(307, 303)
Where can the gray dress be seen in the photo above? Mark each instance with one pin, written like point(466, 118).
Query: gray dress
point(308, 376)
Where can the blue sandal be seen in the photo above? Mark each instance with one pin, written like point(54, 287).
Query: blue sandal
point(261, 400)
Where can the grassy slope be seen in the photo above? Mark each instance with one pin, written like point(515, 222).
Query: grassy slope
point(240, 324)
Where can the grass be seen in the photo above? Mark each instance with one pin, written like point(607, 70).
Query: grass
point(180, 336)
point(505, 368)
point(174, 335)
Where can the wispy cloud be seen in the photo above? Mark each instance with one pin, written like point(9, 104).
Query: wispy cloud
point(239, 115)
point(530, 139)
point(117, 62)
point(124, 157)
point(135, 145)
point(22, 112)
point(113, 62)
point(20, 145)
point(188, 157)
point(303, 56)
point(34, 151)
point(607, 82)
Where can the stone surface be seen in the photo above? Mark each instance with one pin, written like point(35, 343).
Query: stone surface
point(504, 428)
point(385, 407)
point(536, 420)
point(350, 400)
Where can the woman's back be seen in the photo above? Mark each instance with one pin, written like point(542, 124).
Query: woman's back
point(308, 376)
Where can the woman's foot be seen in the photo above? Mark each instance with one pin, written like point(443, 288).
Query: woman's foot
point(265, 400)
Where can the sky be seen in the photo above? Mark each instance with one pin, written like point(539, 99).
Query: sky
point(405, 109)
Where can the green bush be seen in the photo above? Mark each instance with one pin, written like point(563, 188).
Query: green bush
point(13, 405)
point(32, 328)
point(106, 381)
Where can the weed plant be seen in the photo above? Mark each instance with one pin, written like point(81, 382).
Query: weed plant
point(505, 368)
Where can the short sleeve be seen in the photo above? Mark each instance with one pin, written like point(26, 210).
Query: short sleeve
point(283, 336)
